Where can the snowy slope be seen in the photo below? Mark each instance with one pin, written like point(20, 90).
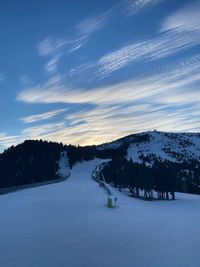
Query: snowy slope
point(167, 146)
point(68, 224)
point(175, 147)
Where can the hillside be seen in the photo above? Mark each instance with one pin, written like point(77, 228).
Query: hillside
point(68, 224)
point(175, 147)
point(32, 162)
point(167, 146)
point(165, 162)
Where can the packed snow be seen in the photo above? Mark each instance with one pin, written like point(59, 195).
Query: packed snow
point(68, 224)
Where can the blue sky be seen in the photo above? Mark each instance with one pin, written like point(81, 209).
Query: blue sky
point(88, 72)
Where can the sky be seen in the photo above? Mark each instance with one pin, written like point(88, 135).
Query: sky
point(89, 72)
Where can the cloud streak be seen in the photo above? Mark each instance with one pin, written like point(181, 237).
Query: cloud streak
point(51, 66)
point(56, 48)
point(175, 35)
point(2, 77)
point(176, 78)
point(163, 45)
point(87, 27)
point(49, 46)
point(7, 140)
point(134, 6)
point(42, 116)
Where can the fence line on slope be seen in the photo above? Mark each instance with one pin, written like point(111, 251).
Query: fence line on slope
point(96, 177)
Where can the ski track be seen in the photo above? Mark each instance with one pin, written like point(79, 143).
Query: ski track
point(68, 224)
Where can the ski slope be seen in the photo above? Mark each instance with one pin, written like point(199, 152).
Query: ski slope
point(68, 224)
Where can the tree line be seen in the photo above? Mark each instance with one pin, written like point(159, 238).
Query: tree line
point(36, 161)
point(30, 162)
point(164, 178)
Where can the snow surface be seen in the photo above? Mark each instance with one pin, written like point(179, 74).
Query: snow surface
point(68, 224)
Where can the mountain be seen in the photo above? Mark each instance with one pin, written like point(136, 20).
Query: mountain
point(40, 161)
point(174, 147)
point(160, 161)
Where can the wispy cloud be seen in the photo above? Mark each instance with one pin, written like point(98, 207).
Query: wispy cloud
point(161, 46)
point(166, 101)
point(82, 31)
point(55, 48)
point(185, 19)
point(44, 131)
point(106, 123)
point(102, 123)
point(42, 116)
point(7, 140)
point(51, 66)
point(87, 27)
point(134, 6)
point(175, 35)
point(2, 77)
point(183, 74)
point(50, 46)
point(40, 131)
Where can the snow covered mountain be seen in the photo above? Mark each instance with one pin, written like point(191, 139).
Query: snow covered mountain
point(174, 147)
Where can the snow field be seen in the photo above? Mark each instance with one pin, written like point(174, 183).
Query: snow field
point(68, 224)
